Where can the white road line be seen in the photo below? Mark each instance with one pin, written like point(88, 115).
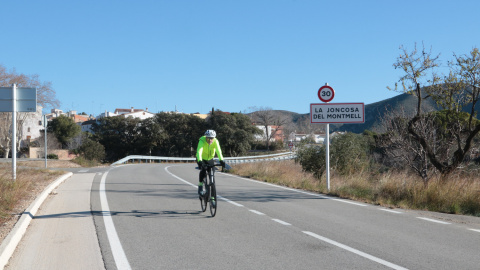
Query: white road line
point(257, 212)
point(83, 171)
point(185, 181)
point(391, 211)
point(188, 183)
point(299, 191)
point(434, 220)
point(281, 222)
point(350, 202)
point(229, 201)
point(117, 250)
point(474, 230)
point(356, 251)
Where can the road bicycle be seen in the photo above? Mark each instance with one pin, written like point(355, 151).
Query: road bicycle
point(210, 191)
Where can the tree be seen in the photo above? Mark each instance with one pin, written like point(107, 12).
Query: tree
point(234, 131)
point(64, 128)
point(458, 90)
point(92, 150)
point(45, 97)
point(268, 118)
point(180, 134)
point(45, 92)
point(120, 136)
point(398, 148)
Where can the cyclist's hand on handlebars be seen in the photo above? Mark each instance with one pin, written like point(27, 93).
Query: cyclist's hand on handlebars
point(222, 163)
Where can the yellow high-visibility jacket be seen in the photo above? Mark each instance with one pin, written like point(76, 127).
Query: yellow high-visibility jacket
point(207, 151)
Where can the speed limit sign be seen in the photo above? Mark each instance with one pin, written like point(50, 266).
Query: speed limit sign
point(326, 93)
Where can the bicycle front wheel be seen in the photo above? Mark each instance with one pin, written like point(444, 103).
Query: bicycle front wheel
point(213, 200)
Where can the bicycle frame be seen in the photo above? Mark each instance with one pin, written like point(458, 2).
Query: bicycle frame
point(210, 195)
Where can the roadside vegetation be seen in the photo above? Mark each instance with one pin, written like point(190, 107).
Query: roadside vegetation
point(15, 196)
point(396, 189)
point(425, 159)
point(421, 158)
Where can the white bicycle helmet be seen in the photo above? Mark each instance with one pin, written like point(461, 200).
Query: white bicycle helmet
point(210, 133)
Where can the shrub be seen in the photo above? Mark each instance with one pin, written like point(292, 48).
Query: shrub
point(312, 158)
point(349, 153)
point(92, 150)
point(52, 156)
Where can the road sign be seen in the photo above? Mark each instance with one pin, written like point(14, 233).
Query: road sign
point(329, 113)
point(26, 99)
point(326, 93)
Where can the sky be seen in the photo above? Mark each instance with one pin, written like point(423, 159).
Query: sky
point(192, 55)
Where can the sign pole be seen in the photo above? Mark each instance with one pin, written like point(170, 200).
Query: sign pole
point(327, 113)
point(14, 132)
point(328, 157)
point(45, 132)
point(327, 130)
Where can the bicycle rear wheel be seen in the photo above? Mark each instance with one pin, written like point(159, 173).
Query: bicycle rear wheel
point(203, 200)
point(213, 200)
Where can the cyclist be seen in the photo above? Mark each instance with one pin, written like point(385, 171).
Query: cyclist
point(208, 145)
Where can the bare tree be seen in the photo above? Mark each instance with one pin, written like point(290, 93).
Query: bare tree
point(452, 93)
point(52, 141)
point(45, 97)
point(400, 150)
point(45, 92)
point(272, 121)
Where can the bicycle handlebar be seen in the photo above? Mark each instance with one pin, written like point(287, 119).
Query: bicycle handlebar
point(219, 164)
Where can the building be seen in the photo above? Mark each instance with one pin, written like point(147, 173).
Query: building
point(135, 113)
point(274, 132)
point(31, 127)
point(298, 137)
point(87, 125)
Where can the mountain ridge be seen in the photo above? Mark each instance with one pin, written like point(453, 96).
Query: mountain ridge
point(375, 111)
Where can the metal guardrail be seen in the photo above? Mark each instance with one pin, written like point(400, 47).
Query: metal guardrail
point(230, 160)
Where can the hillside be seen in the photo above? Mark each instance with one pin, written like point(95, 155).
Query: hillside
point(374, 113)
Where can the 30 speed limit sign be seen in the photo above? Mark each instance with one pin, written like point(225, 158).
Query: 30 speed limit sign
point(326, 93)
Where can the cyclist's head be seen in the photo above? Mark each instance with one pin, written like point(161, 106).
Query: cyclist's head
point(210, 133)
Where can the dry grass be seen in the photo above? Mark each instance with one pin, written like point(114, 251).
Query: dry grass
point(460, 194)
point(16, 196)
point(285, 173)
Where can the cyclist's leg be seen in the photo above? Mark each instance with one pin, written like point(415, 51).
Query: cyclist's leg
point(201, 177)
point(212, 188)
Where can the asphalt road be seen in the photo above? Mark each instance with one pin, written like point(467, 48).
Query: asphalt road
point(148, 217)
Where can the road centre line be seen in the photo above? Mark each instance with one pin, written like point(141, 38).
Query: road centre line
point(474, 230)
point(257, 212)
point(229, 201)
point(356, 251)
point(281, 222)
point(116, 246)
point(434, 220)
point(186, 182)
